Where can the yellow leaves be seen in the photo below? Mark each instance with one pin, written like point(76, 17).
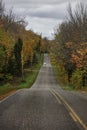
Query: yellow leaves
point(78, 53)
point(77, 60)
point(26, 52)
point(69, 44)
point(5, 38)
point(29, 44)
point(30, 40)
point(78, 57)
point(82, 52)
point(6, 42)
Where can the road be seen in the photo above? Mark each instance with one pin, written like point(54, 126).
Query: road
point(45, 106)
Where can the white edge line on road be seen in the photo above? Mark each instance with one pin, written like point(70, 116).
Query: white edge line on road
point(10, 96)
point(70, 109)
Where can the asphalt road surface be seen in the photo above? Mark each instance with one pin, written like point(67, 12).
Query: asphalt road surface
point(45, 106)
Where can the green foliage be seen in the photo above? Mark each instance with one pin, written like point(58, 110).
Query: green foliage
point(38, 44)
point(8, 77)
point(29, 79)
point(17, 53)
point(11, 64)
point(77, 79)
point(6, 88)
point(2, 57)
point(36, 58)
point(60, 72)
point(68, 87)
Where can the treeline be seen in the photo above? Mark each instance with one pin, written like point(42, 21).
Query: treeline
point(69, 48)
point(19, 48)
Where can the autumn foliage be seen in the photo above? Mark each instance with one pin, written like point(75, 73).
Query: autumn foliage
point(70, 46)
point(19, 48)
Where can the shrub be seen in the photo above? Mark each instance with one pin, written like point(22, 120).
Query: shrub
point(77, 79)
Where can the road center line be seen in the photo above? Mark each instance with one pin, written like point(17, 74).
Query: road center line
point(73, 117)
point(56, 97)
point(73, 113)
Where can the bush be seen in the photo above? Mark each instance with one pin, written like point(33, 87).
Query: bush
point(77, 79)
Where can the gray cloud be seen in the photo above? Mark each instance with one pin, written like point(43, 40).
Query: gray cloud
point(42, 15)
point(47, 12)
point(43, 25)
point(52, 2)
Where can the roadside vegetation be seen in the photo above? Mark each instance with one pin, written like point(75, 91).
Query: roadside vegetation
point(30, 75)
point(68, 50)
point(21, 52)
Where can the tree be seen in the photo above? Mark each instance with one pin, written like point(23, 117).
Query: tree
point(17, 53)
point(70, 44)
point(2, 9)
point(38, 45)
point(2, 57)
point(11, 64)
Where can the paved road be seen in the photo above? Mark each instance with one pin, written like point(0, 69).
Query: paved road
point(44, 107)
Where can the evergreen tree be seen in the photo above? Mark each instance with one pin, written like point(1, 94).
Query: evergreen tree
point(11, 64)
point(17, 53)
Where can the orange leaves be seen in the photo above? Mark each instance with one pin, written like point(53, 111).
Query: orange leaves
point(78, 53)
point(79, 58)
point(69, 44)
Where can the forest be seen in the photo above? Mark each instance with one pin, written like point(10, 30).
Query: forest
point(19, 48)
point(69, 49)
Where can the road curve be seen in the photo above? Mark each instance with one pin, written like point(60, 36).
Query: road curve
point(42, 107)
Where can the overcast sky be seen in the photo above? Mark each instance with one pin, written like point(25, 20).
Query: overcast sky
point(43, 16)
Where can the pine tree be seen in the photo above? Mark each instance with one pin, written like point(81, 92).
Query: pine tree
point(17, 53)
